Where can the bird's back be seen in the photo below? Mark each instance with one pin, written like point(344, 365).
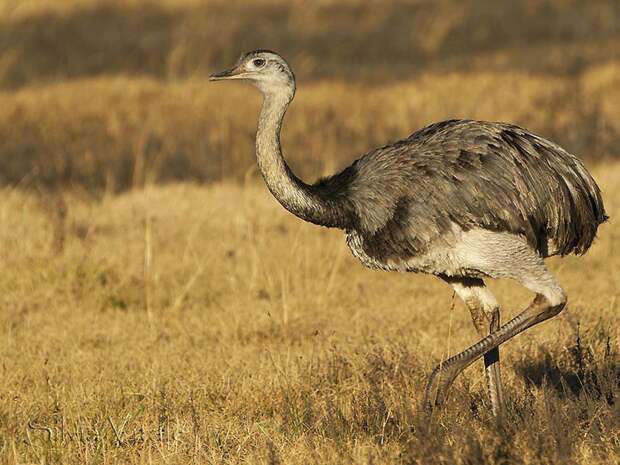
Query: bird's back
point(470, 174)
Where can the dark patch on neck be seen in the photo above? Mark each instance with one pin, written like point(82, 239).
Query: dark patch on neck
point(335, 193)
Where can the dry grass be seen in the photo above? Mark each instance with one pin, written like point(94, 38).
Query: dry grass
point(182, 323)
point(50, 40)
point(138, 131)
point(188, 324)
point(109, 94)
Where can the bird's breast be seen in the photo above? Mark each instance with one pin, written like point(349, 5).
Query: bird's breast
point(392, 258)
point(457, 254)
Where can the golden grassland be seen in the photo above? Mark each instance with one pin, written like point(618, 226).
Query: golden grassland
point(108, 95)
point(139, 130)
point(48, 40)
point(204, 324)
point(148, 318)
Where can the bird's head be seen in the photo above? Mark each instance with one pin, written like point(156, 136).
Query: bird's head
point(265, 69)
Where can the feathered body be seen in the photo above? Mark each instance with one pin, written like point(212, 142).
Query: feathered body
point(399, 201)
point(460, 199)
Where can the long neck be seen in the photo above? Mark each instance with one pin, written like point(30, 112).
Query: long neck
point(301, 199)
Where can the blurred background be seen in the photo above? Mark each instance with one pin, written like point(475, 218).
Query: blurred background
point(157, 304)
point(104, 95)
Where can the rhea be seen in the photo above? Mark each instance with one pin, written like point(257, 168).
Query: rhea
point(463, 200)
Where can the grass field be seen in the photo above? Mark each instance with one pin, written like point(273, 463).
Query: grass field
point(109, 95)
point(158, 306)
point(189, 324)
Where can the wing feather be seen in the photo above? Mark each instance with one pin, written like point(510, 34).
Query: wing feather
point(473, 174)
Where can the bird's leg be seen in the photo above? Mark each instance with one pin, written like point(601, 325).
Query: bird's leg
point(484, 311)
point(481, 319)
point(541, 308)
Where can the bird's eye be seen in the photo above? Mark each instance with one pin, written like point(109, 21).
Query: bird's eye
point(258, 62)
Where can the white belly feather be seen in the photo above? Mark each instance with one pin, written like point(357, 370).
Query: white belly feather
point(474, 253)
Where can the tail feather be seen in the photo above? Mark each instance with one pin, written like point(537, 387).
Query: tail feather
point(586, 210)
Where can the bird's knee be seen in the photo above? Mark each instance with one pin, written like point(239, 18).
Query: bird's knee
point(552, 303)
point(559, 306)
point(557, 300)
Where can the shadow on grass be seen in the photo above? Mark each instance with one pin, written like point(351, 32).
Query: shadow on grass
point(591, 369)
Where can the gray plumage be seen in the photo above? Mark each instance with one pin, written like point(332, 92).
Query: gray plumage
point(405, 196)
point(460, 199)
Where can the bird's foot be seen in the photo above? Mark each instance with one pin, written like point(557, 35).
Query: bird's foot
point(438, 384)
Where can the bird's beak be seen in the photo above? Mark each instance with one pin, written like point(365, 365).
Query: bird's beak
point(232, 73)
